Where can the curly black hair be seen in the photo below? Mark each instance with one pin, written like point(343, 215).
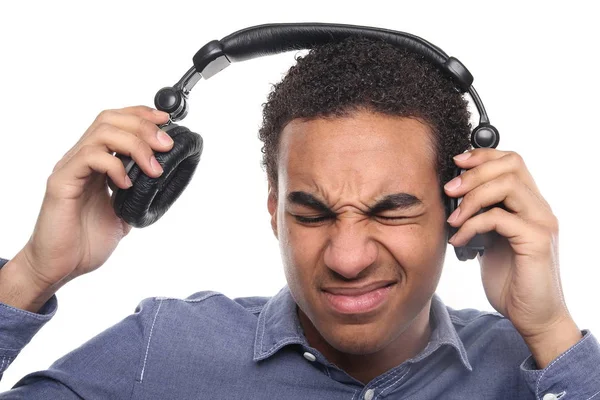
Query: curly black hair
point(338, 78)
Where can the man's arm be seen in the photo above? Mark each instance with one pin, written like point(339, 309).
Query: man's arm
point(18, 326)
point(520, 269)
point(18, 291)
point(105, 367)
point(575, 374)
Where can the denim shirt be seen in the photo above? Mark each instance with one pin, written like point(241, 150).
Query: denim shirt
point(208, 346)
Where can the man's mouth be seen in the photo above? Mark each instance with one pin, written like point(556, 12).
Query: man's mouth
point(356, 300)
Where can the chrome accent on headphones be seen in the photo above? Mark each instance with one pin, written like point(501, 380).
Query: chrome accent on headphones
point(215, 66)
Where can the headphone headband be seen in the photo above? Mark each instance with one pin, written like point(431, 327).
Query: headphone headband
point(269, 39)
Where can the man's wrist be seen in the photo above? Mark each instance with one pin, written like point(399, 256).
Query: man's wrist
point(17, 290)
point(548, 346)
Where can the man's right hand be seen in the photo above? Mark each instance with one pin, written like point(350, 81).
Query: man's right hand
point(77, 228)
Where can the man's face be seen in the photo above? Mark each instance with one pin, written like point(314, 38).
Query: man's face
point(342, 170)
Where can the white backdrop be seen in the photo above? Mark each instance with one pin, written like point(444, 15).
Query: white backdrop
point(61, 63)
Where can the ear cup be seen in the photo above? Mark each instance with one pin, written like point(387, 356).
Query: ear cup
point(451, 205)
point(477, 243)
point(149, 198)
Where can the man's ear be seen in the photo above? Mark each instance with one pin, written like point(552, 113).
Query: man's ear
point(272, 206)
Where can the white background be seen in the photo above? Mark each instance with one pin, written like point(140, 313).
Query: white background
point(535, 67)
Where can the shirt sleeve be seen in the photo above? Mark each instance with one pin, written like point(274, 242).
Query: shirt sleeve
point(17, 327)
point(106, 367)
point(572, 375)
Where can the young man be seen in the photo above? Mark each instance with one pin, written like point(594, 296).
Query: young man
point(359, 140)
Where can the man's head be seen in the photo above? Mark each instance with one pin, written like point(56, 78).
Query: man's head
point(360, 135)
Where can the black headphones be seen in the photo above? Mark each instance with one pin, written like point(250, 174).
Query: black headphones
point(149, 198)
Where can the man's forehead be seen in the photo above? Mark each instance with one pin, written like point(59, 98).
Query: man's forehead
point(366, 157)
point(357, 142)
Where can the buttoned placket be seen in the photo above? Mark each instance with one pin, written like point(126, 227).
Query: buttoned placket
point(385, 384)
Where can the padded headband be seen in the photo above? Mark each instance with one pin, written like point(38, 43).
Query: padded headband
point(269, 39)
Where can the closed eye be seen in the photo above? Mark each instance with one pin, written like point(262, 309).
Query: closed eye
point(314, 220)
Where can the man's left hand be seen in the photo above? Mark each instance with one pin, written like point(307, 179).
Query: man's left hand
point(520, 264)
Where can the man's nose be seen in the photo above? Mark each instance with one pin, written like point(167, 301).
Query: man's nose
point(350, 249)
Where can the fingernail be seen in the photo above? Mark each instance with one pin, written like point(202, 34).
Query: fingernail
point(454, 215)
point(462, 157)
point(452, 238)
point(155, 165)
point(163, 137)
point(128, 181)
point(159, 113)
point(453, 184)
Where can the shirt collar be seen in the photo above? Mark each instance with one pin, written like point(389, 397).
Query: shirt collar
point(279, 326)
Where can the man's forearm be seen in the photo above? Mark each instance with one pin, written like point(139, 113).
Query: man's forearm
point(17, 290)
point(552, 344)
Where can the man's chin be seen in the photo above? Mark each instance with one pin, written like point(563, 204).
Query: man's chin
point(354, 340)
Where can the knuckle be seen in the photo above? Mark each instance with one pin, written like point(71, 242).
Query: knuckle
point(143, 107)
point(57, 166)
point(53, 185)
point(103, 127)
point(510, 179)
point(515, 158)
point(498, 212)
point(545, 239)
point(467, 198)
point(141, 147)
point(86, 150)
point(50, 181)
point(553, 224)
point(116, 166)
point(472, 175)
point(105, 115)
point(146, 128)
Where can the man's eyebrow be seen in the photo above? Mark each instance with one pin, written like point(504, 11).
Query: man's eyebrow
point(395, 201)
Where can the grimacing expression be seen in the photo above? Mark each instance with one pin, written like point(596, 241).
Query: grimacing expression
point(349, 164)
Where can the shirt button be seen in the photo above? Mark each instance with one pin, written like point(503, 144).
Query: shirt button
point(550, 396)
point(370, 393)
point(311, 357)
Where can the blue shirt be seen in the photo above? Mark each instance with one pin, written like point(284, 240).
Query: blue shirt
point(208, 346)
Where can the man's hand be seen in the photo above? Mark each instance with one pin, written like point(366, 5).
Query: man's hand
point(520, 264)
point(77, 228)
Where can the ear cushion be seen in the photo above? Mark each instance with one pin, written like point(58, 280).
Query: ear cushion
point(450, 205)
point(468, 251)
point(149, 198)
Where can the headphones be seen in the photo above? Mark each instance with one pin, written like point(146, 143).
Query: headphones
point(149, 198)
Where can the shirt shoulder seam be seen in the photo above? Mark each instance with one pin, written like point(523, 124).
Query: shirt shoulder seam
point(461, 321)
point(208, 294)
point(205, 296)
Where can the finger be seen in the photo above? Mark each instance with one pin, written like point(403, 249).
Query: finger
point(128, 144)
point(524, 238)
point(135, 124)
point(142, 127)
point(506, 189)
point(483, 166)
point(149, 113)
point(83, 163)
point(138, 113)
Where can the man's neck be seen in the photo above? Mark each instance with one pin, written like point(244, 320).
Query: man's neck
point(366, 367)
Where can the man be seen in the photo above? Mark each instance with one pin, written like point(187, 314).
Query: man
point(359, 140)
